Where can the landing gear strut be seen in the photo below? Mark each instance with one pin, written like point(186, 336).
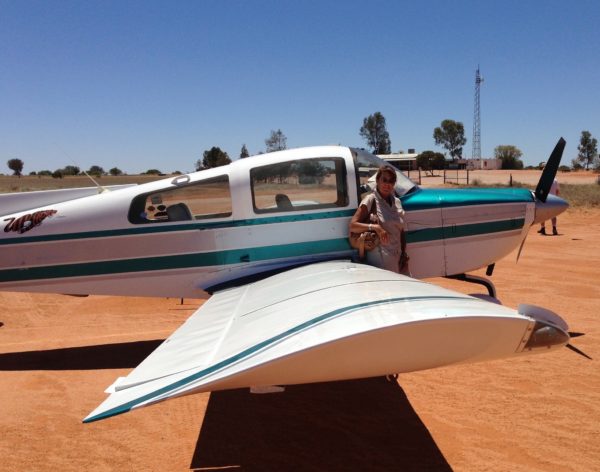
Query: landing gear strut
point(476, 280)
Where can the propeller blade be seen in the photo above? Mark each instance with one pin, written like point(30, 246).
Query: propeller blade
point(573, 334)
point(543, 186)
point(581, 353)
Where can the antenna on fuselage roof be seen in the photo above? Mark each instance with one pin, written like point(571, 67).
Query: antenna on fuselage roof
point(101, 189)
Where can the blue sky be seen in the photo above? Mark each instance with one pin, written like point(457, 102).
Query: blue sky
point(143, 84)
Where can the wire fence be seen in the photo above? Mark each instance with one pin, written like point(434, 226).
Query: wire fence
point(456, 176)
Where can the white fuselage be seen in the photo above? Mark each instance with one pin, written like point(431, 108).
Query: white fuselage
point(234, 226)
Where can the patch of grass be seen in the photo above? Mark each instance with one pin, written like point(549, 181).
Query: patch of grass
point(581, 195)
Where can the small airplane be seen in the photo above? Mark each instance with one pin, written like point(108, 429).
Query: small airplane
point(267, 237)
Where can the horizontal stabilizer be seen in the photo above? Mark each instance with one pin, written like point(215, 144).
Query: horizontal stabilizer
point(22, 201)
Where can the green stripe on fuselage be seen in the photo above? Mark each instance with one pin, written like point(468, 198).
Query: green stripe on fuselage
point(180, 261)
point(152, 228)
point(427, 199)
point(423, 198)
point(461, 231)
point(237, 256)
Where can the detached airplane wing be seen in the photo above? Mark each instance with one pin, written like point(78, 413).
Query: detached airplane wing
point(327, 321)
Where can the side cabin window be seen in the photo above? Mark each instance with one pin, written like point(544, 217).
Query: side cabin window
point(305, 184)
point(208, 198)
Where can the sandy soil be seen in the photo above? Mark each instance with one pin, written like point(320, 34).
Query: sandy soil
point(541, 413)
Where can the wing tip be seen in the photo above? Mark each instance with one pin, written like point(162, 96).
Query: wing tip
point(91, 418)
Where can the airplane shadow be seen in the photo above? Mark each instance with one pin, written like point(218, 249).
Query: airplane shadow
point(103, 356)
point(365, 424)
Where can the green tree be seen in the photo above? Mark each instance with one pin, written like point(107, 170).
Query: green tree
point(576, 165)
point(310, 172)
point(430, 161)
point(16, 165)
point(152, 172)
point(70, 170)
point(57, 174)
point(451, 135)
point(96, 170)
point(45, 172)
point(244, 152)
point(276, 142)
point(509, 155)
point(115, 171)
point(588, 150)
point(214, 157)
point(374, 132)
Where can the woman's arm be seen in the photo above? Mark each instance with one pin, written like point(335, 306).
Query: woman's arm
point(356, 225)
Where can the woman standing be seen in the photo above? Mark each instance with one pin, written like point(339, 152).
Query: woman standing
point(391, 253)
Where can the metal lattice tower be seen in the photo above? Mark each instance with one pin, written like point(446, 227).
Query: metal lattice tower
point(476, 150)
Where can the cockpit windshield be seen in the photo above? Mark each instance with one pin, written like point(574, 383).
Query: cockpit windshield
point(367, 165)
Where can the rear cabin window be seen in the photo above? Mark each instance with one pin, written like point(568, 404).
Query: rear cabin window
point(305, 184)
point(209, 198)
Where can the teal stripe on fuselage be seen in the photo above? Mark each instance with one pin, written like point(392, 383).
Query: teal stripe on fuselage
point(422, 199)
point(151, 228)
point(237, 256)
point(461, 231)
point(180, 261)
point(429, 198)
point(262, 345)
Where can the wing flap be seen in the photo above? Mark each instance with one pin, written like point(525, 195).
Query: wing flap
point(193, 345)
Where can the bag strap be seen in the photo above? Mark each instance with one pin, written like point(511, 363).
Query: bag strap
point(363, 235)
point(373, 210)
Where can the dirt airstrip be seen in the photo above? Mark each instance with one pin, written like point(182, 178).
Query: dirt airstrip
point(540, 413)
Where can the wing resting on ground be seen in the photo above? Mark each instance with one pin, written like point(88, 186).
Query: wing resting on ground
point(322, 322)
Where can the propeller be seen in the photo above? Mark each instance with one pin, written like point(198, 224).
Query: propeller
point(546, 210)
point(543, 187)
point(581, 353)
point(573, 334)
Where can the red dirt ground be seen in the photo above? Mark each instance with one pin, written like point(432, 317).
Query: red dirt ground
point(58, 353)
